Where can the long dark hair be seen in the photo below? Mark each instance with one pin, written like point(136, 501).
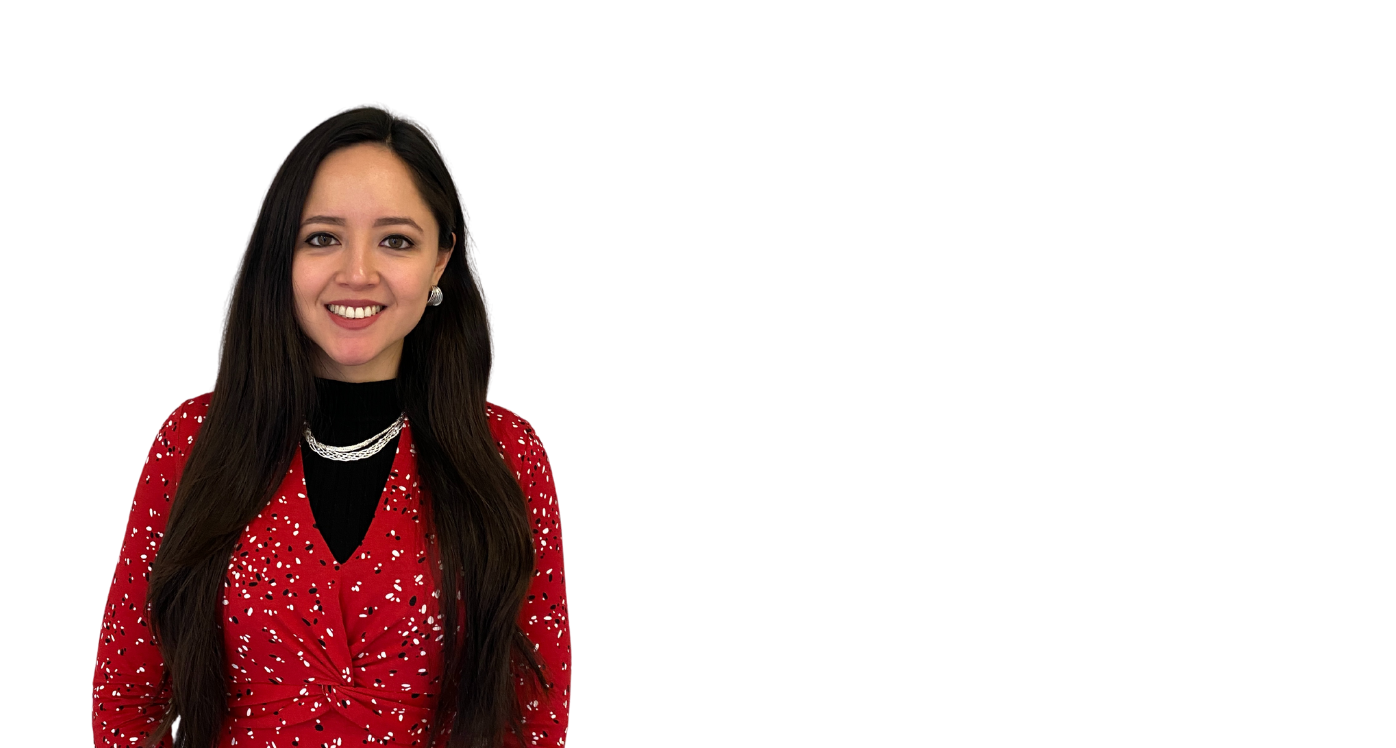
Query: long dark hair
point(264, 391)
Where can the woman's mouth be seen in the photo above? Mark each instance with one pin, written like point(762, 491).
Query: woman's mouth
point(354, 316)
point(354, 312)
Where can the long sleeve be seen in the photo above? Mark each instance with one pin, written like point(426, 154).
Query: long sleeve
point(544, 615)
point(127, 695)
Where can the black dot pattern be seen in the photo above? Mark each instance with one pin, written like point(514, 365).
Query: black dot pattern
point(320, 652)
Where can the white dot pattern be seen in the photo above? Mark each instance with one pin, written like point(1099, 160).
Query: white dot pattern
point(319, 653)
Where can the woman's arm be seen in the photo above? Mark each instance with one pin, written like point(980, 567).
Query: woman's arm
point(544, 615)
point(129, 688)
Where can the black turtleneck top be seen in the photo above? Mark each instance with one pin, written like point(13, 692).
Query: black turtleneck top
point(344, 495)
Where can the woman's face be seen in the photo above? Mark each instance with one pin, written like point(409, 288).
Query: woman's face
point(365, 261)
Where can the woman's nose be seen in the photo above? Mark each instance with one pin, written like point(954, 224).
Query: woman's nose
point(359, 268)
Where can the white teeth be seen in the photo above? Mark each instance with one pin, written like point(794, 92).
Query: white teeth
point(357, 312)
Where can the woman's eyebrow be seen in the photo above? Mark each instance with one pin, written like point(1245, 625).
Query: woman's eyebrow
point(397, 221)
point(389, 221)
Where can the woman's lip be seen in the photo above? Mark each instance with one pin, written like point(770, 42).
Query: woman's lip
point(353, 324)
point(354, 302)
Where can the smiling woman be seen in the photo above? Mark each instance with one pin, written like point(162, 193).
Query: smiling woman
point(344, 542)
point(365, 262)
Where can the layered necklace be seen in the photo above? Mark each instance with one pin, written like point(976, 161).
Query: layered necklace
point(363, 450)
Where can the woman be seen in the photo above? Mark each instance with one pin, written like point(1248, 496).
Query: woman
point(296, 529)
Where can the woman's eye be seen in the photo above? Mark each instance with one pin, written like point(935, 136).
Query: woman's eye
point(322, 239)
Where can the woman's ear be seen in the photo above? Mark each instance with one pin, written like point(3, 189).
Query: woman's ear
point(442, 257)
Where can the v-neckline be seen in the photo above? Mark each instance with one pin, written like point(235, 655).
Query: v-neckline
point(404, 444)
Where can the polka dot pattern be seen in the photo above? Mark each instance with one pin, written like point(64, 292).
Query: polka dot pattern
point(319, 653)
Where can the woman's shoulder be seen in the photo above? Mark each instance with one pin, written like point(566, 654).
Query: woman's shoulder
point(182, 425)
point(191, 412)
point(197, 403)
point(164, 464)
point(504, 420)
point(510, 428)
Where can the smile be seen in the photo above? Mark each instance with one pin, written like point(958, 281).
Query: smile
point(353, 312)
point(355, 317)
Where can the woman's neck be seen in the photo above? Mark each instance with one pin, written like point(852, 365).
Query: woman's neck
point(349, 412)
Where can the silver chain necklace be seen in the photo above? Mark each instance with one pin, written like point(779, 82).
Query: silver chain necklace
point(364, 449)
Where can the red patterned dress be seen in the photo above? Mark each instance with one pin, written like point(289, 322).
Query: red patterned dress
point(320, 653)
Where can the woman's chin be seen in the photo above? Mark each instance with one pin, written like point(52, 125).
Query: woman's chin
point(351, 356)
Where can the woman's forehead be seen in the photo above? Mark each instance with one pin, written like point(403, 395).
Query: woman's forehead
point(364, 183)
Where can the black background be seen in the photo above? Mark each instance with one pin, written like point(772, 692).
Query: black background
point(596, 249)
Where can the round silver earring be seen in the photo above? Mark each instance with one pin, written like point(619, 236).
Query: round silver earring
point(435, 298)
